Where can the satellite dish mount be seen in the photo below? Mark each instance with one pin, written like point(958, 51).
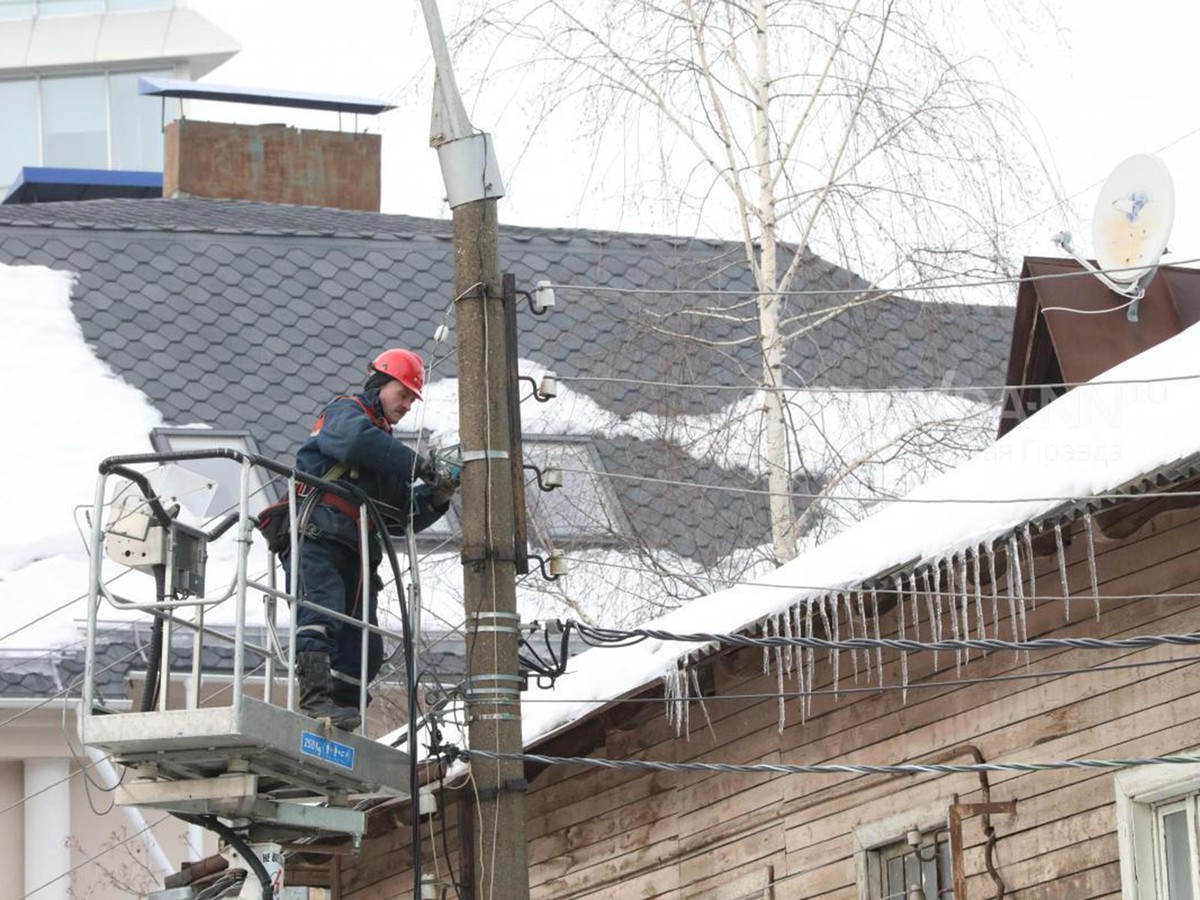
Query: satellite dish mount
point(1130, 227)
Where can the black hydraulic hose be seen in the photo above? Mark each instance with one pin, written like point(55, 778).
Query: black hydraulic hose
point(231, 837)
point(155, 653)
point(414, 789)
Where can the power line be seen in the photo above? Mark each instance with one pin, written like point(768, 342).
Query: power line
point(830, 768)
point(850, 498)
point(883, 688)
point(91, 859)
point(863, 291)
point(886, 591)
point(612, 637)
point(937, 389)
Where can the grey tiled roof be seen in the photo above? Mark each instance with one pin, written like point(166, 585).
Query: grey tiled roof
point(250, 316)
point(123, 650)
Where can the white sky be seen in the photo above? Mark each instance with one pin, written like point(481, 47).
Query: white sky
point(1101, 80)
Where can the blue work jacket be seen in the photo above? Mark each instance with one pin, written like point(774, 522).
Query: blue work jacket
point(354, 430)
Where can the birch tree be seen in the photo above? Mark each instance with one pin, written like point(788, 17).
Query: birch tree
point(843, 128)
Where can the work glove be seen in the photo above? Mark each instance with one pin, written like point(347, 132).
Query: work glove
point(443, 490)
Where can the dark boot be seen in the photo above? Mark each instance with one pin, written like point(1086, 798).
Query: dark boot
point(316, 694)
point(346, 694)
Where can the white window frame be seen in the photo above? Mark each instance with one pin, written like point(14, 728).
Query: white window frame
point(106, 72)
point(871, 837)
point(1140, 791)
point(172, 439)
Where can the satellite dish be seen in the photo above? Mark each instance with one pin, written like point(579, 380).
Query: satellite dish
point(1133, 218)
point(1130, 227)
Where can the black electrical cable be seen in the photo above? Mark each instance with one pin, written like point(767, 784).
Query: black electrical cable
point(380, 523)
point(154, 660)
point(234, 840)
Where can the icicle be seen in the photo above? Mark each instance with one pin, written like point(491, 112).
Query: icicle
point(990, 548)
point(935, 623)
point(812, 654)
point(1014, 551)
point(959, 571)
point(675, 696)
point(797, 626)
point(837, 654)
point(848, 605)
point(862, 619)
point(1091, 551)
point(700, 701)
point(899, 591)
point(916, 612)
point(954, 632)
point(878, 649)
point(773, 630)
point(789, 655)
point(781, 701)
point(1062, 569)
point(975, 575)
point(1028, 538)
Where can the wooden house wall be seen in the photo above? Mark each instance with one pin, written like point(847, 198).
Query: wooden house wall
point(643, 834)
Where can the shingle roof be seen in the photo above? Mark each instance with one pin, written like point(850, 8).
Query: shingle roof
point(247, 315)
point(123, 650)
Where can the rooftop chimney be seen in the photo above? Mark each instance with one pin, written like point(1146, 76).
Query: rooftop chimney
point(272, 164)
point(269, 163)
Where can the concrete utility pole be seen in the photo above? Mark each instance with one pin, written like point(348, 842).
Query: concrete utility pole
point(473, 186)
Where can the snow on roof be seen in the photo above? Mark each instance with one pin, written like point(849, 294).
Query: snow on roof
point(67, 411)
point(1093, 439)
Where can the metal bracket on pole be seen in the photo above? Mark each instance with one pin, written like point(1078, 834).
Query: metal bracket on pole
point(479, 455)
point(470, 171)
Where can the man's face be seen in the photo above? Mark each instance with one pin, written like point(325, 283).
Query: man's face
point(396, 400)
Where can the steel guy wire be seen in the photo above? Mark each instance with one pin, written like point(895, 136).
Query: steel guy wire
point(881, 589)
point(862, 291)
point(885, 688)
point(850, 498)
point(91, 859)
point(67, 690)
point(934, 389)
point(833, 768)
point(598, 637)
point(53, 784)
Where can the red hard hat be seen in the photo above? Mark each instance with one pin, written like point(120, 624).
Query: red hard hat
point(402, 365)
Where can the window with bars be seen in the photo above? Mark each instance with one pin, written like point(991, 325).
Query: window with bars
point(916, 867)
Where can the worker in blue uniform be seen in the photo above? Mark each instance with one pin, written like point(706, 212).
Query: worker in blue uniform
point(352, 442)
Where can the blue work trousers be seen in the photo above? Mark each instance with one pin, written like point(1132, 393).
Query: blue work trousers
point(331, 577)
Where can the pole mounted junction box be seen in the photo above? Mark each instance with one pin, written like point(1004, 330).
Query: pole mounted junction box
point(134, 538)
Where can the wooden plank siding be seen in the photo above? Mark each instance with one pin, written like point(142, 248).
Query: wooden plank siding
point(652, 834)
